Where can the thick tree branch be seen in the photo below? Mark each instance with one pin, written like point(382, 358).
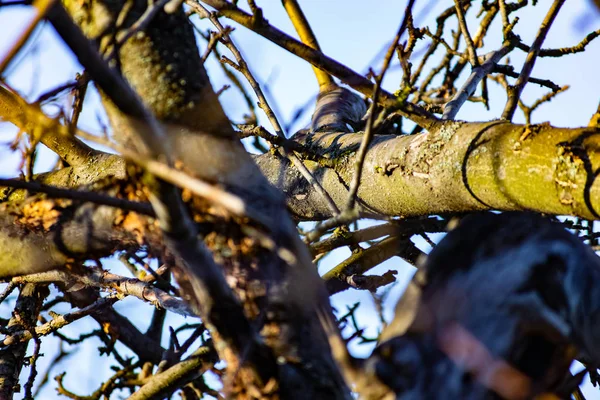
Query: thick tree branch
point(456, 167)
point(479, 313)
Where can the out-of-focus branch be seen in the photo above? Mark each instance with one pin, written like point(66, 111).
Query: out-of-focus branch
point(211, 293)
point(476, 300)
point(162, 385)
point(306, 36)
point(89, 196)
point(76, 153)
point(57, 137)
point(350, 271)
point(42, 7)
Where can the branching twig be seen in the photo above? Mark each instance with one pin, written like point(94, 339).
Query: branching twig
point(514, 92)
point(341, 276)
point(58, 322)
point(508, 70)
point(468, 88)
point(264, 105)
point(290, 145)
point(578, 48)
point(318, 59)
point(408, 227)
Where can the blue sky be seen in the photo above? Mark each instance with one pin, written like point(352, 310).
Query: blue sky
point(353, 32)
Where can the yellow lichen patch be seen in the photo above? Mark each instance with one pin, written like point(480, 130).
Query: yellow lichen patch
point(567, 170)
point(41, 213)
point(133, 223)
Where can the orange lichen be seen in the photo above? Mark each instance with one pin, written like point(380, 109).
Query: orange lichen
point(41, 213)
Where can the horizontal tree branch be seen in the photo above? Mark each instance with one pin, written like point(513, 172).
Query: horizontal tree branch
point(455, 167)
point(122, 285)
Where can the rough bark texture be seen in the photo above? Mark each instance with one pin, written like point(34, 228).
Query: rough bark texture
point(27, 309)
point(454, 167)
point(163, 66)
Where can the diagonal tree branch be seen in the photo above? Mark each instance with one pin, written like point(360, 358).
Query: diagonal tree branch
point(306, 36)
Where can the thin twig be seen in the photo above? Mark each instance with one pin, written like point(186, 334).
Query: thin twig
point(264, 105)
point(366, 140)
point(514, 92)
point(471, 50)
point(468, 88)
point(42, 7)
point(33, 367)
